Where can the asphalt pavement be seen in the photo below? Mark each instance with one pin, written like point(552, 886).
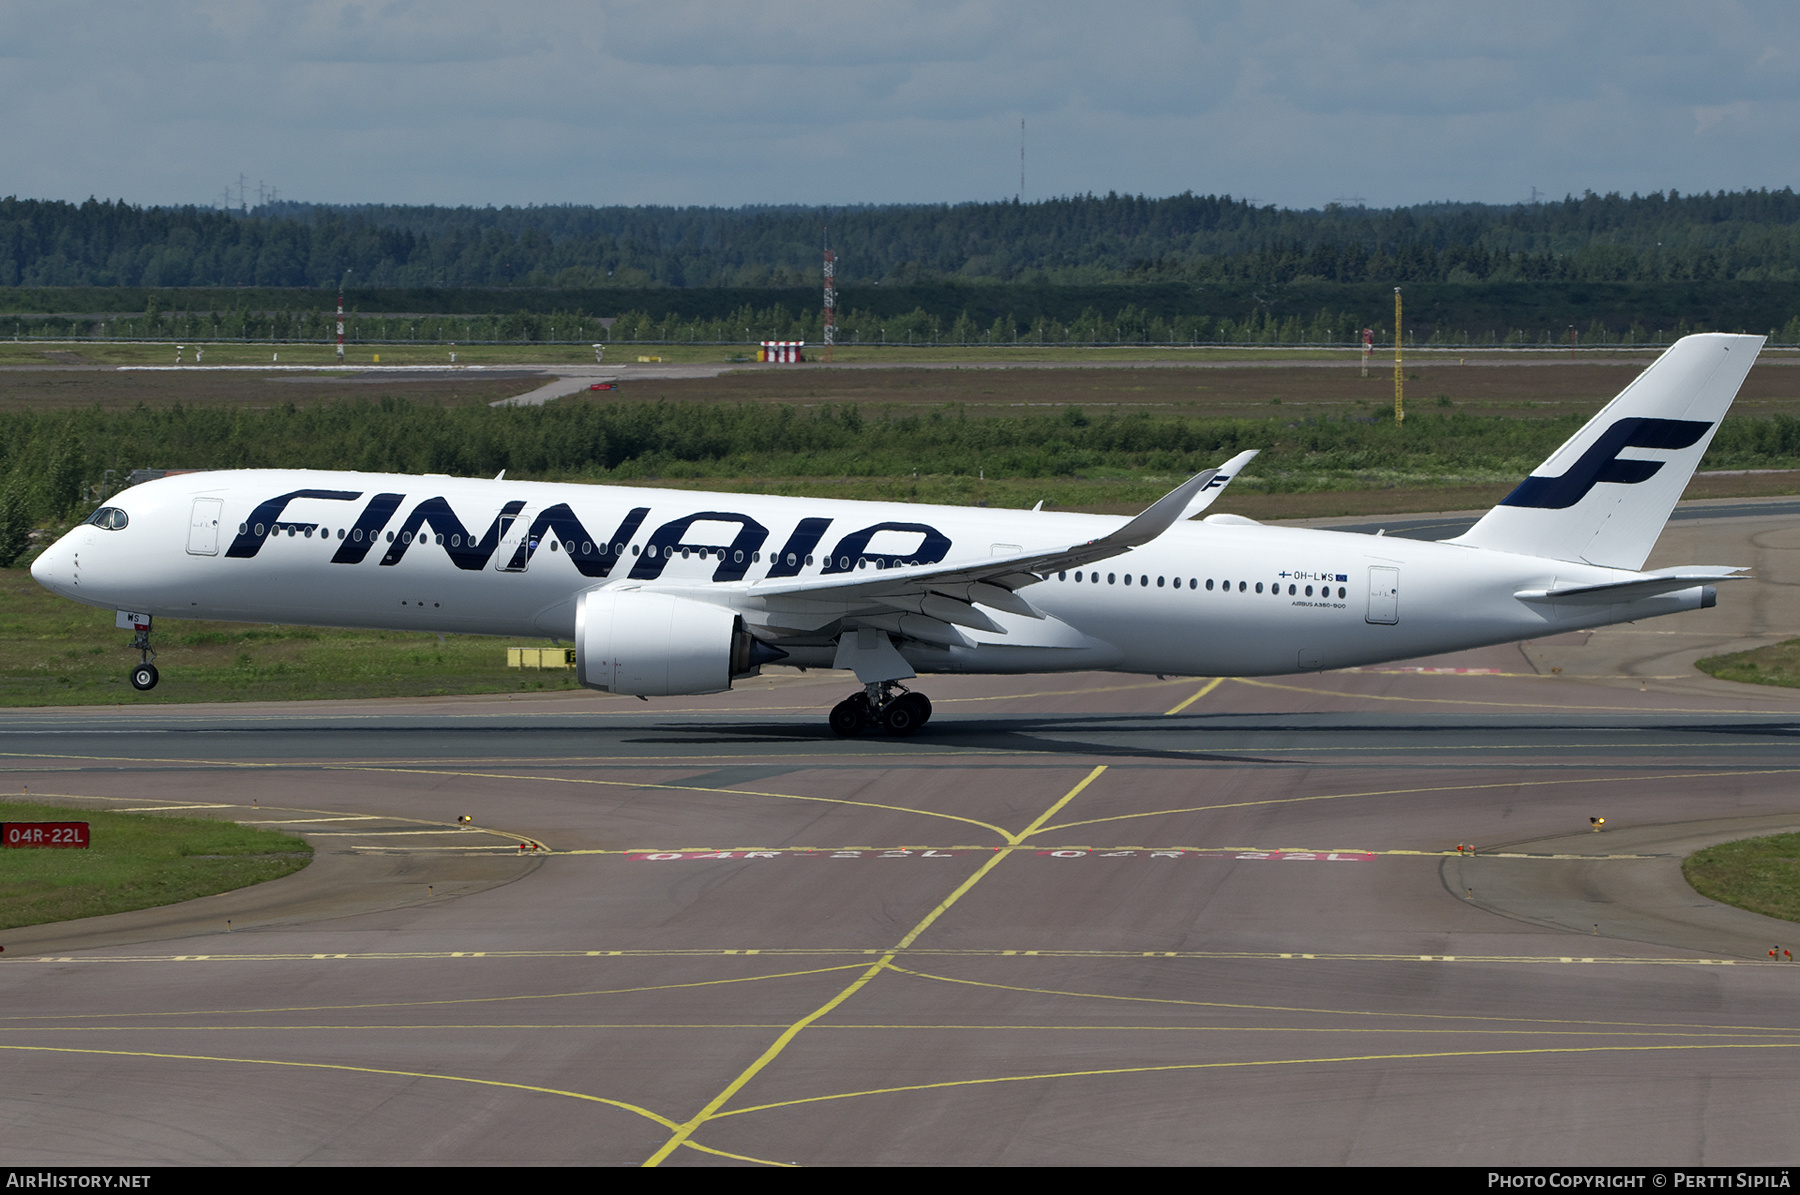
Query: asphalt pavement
point(1356, 917)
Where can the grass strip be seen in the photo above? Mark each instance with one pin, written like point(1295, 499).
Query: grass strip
point(1774, 664)
point(57, 652)
point(136, 861)
point(1758, 874)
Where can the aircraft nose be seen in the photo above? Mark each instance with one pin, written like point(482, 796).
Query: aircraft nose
point(54, 567)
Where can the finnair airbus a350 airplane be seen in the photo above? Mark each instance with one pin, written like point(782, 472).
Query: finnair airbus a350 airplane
point(666, 592)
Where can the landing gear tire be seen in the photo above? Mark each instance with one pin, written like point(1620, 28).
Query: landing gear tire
point(850, 716)
point(905, 714)
point(900, 715)
point(144, 677)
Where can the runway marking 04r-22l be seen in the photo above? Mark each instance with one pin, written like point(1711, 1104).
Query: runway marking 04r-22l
point(1072, 853)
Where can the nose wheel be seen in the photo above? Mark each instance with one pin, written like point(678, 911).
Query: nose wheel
point(878, 707)
point(144, 676)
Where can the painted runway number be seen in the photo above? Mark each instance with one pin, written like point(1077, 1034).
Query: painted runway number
point(1272, 856)
point(923, 853)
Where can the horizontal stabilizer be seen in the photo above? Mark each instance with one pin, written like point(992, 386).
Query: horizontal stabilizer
point(1630, 589)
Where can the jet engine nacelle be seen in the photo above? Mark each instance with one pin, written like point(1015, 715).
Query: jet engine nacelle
point(655, 645)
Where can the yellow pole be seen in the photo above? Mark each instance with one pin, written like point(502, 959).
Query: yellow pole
point(1399, 392)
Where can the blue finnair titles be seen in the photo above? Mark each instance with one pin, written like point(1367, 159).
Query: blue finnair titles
point(668, 592)
point(433, 522)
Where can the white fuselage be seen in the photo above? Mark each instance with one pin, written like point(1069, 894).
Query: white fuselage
point(372, 550)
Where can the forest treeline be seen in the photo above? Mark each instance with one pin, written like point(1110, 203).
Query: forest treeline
point(1263, 324)
point(1747, 236)
point(51, 461)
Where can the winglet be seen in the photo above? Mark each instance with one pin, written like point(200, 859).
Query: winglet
point(1162, 514)
point(1210, 492)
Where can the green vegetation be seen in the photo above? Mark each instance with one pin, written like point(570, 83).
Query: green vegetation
point(1080, 269)
point(55, 652)
point(48, 454)
point(992, 318)
point(1758, 874)
point(360, 355)
point(49, 458)
point(772, 444)
point(134, 862)
point(1082, 239)
point(1776, 664)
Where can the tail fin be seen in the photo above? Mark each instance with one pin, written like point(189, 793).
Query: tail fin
point(1588, 502)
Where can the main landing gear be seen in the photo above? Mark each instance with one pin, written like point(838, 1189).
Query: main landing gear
point(900, 714)
point(144, 676)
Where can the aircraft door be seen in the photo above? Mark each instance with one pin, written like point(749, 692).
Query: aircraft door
point(1384, 594)
point(203, 527)
point(517, 544)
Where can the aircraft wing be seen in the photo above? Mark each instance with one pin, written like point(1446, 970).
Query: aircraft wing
point(1003, 572)
point(931, 601)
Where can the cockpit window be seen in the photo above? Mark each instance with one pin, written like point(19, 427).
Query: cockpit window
point(109, 517)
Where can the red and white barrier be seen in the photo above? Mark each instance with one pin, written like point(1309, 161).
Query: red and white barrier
point(782, 351)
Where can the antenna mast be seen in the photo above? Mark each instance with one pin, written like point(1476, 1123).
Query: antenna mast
point(340, 316)
point(1399, 383)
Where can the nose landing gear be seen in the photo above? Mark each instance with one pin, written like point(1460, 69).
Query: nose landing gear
point(900, 714)
point(144, 676)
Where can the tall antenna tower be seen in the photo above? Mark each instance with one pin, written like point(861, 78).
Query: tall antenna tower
point(340, 316)
point(1021, 159)
point(830, 319)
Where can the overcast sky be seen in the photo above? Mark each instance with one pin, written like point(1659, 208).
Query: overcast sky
point(679, 102)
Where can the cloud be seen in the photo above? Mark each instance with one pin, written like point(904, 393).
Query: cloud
point(685, 101)
point(1708, 118)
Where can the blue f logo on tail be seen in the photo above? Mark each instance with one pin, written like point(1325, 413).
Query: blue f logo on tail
point(1601, 462)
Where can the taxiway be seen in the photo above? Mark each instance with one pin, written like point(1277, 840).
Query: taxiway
point(1090, 919)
